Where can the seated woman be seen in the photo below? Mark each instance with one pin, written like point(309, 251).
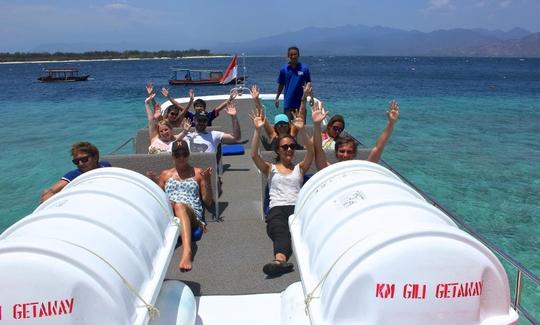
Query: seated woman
point(86, 158)
point(333, 129)
point(345, 146)
point(188, 188)
point(160, 131)
point(281, 127)
point(284, 182)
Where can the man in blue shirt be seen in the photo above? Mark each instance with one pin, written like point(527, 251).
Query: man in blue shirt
point(292, 77)
point(85, 157)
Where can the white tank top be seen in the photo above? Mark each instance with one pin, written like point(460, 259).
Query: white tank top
point(283, 188)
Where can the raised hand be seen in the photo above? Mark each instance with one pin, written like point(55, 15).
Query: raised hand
point(186, 125)
point(258, 118)
point(298, 120)
point(231, 109)
point(307, 91)
point(232, 95)
point(393, 111)
point(207, 174)
point(149, 88)
point(165, 92)
point(191, 95)
point(255, 92)
point(318, 114)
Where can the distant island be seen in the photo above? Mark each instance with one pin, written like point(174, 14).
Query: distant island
point(99, 55)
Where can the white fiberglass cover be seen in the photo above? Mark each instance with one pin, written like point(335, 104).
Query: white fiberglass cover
point(95, 253)
point(372, 251)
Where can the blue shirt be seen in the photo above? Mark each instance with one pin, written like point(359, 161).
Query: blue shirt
point(71, 175)
point(293, 79)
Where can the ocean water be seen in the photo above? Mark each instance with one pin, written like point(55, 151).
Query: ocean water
point(467, 134)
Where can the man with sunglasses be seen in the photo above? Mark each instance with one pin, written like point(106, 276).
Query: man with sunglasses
point(85, 157)
point(345, 146)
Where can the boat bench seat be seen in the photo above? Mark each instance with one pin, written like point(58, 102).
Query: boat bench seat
point(361, 154)
point(142, 163)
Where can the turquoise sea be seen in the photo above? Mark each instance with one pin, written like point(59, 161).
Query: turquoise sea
point(467, 135)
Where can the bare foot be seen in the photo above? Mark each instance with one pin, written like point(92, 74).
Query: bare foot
point(185, 263)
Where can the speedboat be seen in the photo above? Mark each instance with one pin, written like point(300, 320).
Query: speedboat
point(369, 248)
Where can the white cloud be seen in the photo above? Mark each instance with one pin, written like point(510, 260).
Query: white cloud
point(504, 4)
point(434, 5)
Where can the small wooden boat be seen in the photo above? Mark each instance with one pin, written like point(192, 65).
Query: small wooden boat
point(181, 76)
point(63, 74)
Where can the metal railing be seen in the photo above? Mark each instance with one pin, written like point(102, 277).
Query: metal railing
point(519, 268)
point(122, 146)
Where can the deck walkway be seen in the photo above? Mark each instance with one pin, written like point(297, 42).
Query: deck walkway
point(229, 258)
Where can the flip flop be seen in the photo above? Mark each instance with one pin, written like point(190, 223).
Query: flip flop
point(276, 268)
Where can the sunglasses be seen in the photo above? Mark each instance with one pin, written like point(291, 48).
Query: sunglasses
point(286, 147)
point(337, 129)
point(84, 159)
point(280, 124)
point(173, 113)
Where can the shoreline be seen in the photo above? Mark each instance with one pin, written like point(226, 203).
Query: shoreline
point(126, 59)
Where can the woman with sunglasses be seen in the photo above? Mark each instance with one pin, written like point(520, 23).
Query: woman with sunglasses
point(85, 157)
point(333, 130)
point(160, 131)
point(284, 182)
point(188, 188)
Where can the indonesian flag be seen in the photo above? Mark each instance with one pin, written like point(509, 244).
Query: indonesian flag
point(231, 72)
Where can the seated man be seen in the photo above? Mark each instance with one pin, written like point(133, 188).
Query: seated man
point(200, 107)
point(345, 147)
point(85, 157)
point(208, 141)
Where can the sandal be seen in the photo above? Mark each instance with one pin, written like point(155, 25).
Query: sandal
point(277, 267)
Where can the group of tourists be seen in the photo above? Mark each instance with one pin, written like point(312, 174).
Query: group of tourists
point(190, 188)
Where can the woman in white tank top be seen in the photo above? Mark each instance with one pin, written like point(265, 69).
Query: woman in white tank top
point(284, 180)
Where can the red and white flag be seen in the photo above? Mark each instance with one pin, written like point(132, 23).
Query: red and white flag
point(231, 72)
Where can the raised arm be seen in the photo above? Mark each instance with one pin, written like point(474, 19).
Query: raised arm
point(232, 96)
point(270, 132)
point(318, 115)
point(307, 93)
point(393, 115)
point(258, 122)
point(186, 125)
point(298, 122)
point(183, 110)
point(152, 120)
point(236, 134)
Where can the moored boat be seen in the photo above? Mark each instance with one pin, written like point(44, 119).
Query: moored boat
point(62, 75)
point(184, 76)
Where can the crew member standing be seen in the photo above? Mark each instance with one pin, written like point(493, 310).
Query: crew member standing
point(292, 77)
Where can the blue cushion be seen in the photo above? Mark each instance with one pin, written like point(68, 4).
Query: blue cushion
point(196, 233)
point(233, 149)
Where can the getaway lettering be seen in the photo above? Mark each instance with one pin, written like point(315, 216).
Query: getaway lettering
point(42, 309)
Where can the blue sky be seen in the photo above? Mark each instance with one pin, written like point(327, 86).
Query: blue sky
point(184, 24)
